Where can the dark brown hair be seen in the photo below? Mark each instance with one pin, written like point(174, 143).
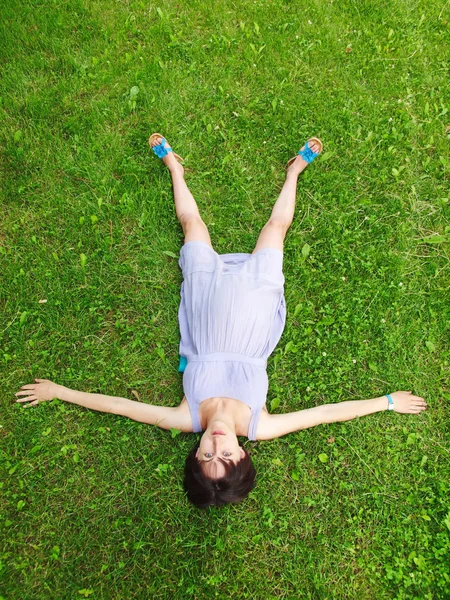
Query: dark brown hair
point(234, 486)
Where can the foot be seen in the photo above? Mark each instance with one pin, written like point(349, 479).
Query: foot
point(169, 160)
point(299, 164)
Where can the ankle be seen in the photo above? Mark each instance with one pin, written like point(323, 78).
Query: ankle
point(176, 169)
point(292, 173)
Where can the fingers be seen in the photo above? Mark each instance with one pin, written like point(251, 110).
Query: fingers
point(27, 399)
point(412, 399)
point(30, 396)
point(31, 386)
point(417, 407)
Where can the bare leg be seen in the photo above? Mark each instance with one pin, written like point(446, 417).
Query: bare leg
point(274, 231)
point(186, 208)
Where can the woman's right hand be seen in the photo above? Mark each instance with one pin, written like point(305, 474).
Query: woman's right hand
point(41, 390)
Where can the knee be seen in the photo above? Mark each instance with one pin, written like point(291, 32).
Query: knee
point(278, 224)
point(192, 224)
point(189, 220)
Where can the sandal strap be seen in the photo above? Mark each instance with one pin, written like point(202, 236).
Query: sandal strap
point(307, 154)
point(160, 150)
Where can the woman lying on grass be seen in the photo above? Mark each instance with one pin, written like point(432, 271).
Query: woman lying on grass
point(231, 316)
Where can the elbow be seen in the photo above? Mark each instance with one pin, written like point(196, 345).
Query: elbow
point(328, 413)
point(115, 407)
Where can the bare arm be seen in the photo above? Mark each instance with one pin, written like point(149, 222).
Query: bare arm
point(162, 416)
point(272, 426)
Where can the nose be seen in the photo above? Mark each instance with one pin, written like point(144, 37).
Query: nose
point(217, 442)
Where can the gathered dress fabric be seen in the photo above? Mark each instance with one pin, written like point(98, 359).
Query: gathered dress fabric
point(232, 314)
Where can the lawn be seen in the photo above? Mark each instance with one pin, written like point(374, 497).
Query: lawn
point(92, 505)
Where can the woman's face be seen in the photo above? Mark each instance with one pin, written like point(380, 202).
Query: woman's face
point(218, 442)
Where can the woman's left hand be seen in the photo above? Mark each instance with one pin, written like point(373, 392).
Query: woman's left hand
point(407, 403)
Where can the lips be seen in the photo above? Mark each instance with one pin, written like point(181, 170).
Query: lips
point(218, 432)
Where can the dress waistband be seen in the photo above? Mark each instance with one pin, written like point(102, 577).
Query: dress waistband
point(228, 357)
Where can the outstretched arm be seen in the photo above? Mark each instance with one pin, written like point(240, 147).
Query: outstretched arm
point(272, 426)
point(163, 416)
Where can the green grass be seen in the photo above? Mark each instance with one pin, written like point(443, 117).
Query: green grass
point(92, 504)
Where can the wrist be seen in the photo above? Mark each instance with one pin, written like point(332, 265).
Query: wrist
point(390, 402)
point(61, 392)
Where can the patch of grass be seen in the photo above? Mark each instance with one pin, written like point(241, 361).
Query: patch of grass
point(92, 504)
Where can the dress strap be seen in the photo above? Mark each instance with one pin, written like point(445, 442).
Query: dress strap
point(253, 425)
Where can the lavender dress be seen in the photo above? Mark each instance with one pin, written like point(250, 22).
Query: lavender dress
point(231, 316)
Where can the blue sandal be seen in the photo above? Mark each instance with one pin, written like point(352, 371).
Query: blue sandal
point(161, 150)
point(307, 154)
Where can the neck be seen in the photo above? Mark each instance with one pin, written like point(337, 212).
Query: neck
point(217, 413)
